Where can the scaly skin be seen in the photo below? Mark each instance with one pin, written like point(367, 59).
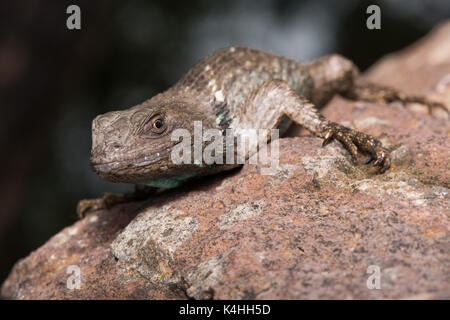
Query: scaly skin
point(213, 91)
point(234, 88)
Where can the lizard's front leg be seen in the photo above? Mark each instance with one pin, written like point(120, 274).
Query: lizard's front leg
point(275, 99)
point(109, 200)
point(336, 74)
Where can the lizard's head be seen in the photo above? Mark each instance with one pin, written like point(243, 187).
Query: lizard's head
point(135, 145)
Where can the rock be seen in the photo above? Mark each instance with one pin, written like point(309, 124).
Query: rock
point(312, 230)
point(44, 273)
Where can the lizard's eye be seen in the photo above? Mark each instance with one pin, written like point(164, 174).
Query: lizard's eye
point(156, 125)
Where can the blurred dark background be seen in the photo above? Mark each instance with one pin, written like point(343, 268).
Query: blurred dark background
point(54, 81)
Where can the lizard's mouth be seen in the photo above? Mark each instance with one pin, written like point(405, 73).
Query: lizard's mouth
point(125, 171)
point(140, 170)
point(114, 166)
point(106, 167)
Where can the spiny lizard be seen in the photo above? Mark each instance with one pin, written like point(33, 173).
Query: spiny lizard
point(234, 88)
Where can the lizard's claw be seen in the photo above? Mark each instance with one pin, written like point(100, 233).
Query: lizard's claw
point(354, 140)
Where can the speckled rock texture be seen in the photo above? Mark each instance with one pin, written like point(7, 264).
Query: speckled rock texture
point(309, 231)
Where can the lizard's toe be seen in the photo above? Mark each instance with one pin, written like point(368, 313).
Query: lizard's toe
point(105, 203)
point(430, 104)
point(342, 135)
point(438, 105)
point(353, 141)
point(368, 160)
point(383, 159)
point(88, 205)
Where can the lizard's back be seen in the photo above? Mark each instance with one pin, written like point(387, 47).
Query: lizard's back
point(226, 78)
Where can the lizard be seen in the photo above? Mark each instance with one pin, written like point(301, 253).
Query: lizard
point(232, 89)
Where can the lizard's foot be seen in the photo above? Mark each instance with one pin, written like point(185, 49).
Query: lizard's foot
point(354, 140)
point(367, 91)
point(109, 200)
point(431, 105)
